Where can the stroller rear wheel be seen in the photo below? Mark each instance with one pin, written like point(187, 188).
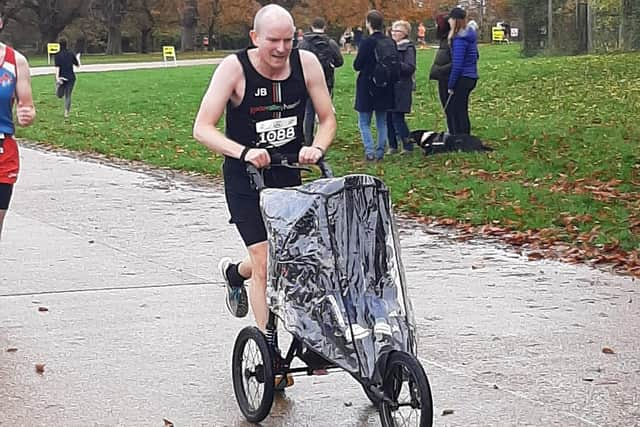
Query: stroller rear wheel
point(252, 371)
point(407, 394)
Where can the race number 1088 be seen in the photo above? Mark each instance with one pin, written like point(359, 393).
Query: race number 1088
point(276, 132)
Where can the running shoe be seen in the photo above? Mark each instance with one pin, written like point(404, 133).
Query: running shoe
point(237, 301)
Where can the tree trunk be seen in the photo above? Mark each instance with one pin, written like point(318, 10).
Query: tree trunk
point(189, 23)
point(144, 40)
point(114, 42)
point(114, 12)
point(630, 25)
point(210, 35)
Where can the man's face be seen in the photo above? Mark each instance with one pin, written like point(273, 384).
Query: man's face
point(274, 42)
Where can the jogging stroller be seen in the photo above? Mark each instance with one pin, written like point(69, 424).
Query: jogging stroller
point(336, 281)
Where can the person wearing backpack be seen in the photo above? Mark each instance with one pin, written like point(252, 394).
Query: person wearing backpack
point(328, 53)
point(377, 63)
point(464, 71)
point(404, 87)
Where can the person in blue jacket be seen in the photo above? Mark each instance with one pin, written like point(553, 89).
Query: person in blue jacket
point(371, 99)
point(464, 71)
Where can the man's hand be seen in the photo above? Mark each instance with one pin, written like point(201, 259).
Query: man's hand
point(25, 114)
point(450, 91)
point(310, 155)
point(258, 157)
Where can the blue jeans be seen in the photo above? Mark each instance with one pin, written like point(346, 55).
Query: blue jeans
point(364, 124)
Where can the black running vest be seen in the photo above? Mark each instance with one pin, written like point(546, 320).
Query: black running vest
point(270, 116)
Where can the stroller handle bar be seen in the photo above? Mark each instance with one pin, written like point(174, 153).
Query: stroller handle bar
point(287, 160)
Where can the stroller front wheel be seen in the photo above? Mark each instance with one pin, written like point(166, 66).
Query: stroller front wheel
point(252, 371)
point(407, 394)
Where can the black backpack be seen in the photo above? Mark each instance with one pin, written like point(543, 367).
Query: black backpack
point(386, 71)
point(322, 49)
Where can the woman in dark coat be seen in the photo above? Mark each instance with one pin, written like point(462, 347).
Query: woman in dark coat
point(403, 89)
point(442, 62)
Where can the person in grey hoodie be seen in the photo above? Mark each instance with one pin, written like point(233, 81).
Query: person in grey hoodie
point(464, 71)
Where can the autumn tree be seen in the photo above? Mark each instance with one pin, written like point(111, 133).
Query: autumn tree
point(141, 16)
point(287, 4)
point(111, 13)
point(49, 16)
point(188, 21)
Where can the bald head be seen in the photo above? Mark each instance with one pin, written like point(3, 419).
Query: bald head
point(271, 13)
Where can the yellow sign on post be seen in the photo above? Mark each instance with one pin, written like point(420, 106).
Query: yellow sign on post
point(497, 34)
point(169, 52)
point(52, 49)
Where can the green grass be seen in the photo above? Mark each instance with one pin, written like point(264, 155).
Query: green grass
point(41, 60)
point(566, 134)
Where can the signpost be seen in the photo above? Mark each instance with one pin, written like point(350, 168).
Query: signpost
point(52, 49)
point(169, 52)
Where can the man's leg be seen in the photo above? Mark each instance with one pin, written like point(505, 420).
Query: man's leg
point(364, 124)
point(381, 126)
point(258, 288)
point(5, 197)
point(68, 88)
point(2, 214)
point(391, 134)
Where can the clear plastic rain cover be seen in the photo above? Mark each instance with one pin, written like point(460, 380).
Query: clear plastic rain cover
point(335, 277)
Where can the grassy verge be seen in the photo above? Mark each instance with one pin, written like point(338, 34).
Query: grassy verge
point(41, 60)
point(566, 165)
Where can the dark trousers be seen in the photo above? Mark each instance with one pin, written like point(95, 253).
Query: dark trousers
point(458, 108)
point(398, 131)
point(443, 92)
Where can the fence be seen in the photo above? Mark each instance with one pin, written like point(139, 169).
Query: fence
point(579, 26)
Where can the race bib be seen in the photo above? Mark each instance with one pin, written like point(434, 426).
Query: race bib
point(276, 132)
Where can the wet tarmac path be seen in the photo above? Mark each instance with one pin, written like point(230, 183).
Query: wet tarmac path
point(124, 260)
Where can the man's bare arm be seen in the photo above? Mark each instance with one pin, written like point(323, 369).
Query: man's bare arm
point(221, 89)
point(224, 82)
point(25, 112)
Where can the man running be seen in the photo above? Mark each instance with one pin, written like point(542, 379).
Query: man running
point(264, 90)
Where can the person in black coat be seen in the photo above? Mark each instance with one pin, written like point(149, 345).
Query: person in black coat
point(371, 99)
point(403, 89)
point(65, 60)
point(441, 67)
point(330, 58)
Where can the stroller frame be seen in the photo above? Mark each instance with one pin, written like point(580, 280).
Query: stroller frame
point(258, 369)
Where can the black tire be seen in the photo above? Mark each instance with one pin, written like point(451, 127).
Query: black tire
point(407, 393)
point(252, 371)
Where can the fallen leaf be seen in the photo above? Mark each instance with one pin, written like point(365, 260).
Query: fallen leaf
point(167, 423)
point(12, 350)
point(447, 412)
point(607, 350)
point(40, 368)
point(43, 309)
